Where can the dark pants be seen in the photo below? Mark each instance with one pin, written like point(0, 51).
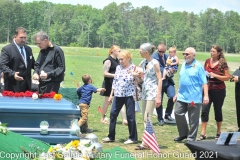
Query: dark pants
point(217, 98)
point(46, 87)
point(118, 102)
point(170, 91)
point(237, 99)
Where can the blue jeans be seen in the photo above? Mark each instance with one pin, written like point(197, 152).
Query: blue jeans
point(118, 102)
point(170, 91)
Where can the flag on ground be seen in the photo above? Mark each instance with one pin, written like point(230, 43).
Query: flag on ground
point(150, 139)
point(99, 109)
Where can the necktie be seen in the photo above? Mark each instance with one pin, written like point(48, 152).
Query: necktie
point(163, 61)
point(22, 53)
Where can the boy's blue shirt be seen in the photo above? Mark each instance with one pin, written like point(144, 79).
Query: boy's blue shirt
point(86, 93)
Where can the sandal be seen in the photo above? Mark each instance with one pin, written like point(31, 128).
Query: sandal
point(217, 136)
point(141, 147)
point(201, 137)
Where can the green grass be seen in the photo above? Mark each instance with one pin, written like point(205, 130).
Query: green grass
point(89, 60)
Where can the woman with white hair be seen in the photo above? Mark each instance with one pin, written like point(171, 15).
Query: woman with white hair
point(151, 86)
point(123, 89)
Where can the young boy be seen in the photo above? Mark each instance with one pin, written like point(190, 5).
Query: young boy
point(171, 63)
point(85, 95)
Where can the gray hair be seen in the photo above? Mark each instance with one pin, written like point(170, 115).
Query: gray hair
point(148, 47)
point(42, 35)
point(192, 50)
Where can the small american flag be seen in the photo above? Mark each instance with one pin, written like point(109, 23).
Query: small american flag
point(150, 139)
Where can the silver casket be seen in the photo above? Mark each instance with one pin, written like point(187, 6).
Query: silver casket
point(49, 120)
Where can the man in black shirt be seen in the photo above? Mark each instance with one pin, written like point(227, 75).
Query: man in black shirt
point(49, 67)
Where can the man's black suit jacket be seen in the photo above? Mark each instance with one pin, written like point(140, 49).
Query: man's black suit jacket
point(11, 61)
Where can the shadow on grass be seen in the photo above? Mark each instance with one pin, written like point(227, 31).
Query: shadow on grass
point(167, 124)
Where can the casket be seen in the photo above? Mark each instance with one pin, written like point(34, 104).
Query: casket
point(58, 118)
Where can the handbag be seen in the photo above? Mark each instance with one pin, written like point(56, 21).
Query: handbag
point(137, 94)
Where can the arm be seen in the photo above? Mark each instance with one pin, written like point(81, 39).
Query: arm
point(4, 65)
point(4, 62)
point(175, 63)
point(106, 67)
point(236, 79)
point(37, 68)
point(110, 96)
point(159, 77)
point(60, 63)
point(224, 77)
point(101, 89)
point(175, 97)
point(205, 92)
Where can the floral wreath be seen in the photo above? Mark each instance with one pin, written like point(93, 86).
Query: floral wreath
point(34, 95)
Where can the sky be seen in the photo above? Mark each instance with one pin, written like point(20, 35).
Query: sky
point(195, 6)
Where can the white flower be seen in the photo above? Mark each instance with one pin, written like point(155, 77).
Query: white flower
point(34, 96)
point(84, 142)
point(0, 122)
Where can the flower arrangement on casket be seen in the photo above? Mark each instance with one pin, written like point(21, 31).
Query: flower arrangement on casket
point(34, 95)
point(74, 150)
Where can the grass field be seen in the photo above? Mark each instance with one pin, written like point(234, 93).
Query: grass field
point(80, 61)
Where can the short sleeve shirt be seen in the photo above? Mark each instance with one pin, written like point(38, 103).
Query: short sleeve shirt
point(86, 93)
point(214, 83)
point(123, 82)
point(191, 79)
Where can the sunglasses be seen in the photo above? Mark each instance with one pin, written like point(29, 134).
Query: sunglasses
point(161, 51)
point(185, 54)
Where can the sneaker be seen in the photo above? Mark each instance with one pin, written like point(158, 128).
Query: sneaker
point(129, 141)
point(107, 139)
point(161, 123)
point(169, 119)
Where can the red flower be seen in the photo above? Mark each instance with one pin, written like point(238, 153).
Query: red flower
point(44, 95)
point(21, 94)
point(16, 94)
point(192, 104)
point(10, 94)
point(52, 94)
point(5, 93)
point(28, 94)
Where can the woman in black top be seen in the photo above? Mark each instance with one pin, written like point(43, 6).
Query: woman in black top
point(109, 68)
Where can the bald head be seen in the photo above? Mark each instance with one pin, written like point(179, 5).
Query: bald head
point(191, 50)
point(189, 55)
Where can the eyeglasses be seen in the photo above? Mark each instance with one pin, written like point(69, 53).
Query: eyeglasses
point(161, 51)
point(185, 54)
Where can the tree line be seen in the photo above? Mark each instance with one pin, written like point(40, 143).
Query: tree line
point(124, 25)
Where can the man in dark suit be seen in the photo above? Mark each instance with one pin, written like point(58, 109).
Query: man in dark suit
point(16, 62)
point(167, 87)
